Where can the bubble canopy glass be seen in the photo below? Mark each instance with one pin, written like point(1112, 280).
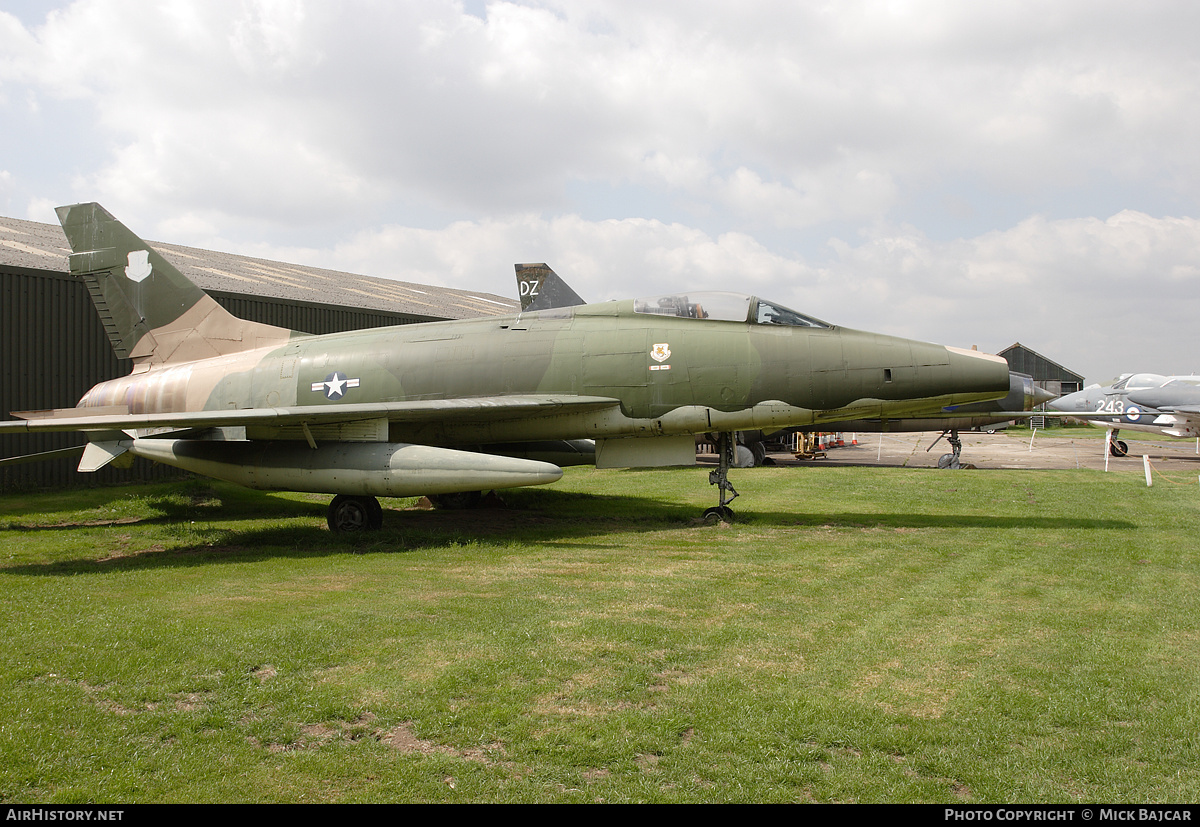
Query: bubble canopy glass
point(1138, 381)
point(724, 307)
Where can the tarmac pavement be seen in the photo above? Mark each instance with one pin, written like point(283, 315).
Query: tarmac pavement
point(1019, 449)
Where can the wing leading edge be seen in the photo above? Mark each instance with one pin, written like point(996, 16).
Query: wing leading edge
point(466, 410)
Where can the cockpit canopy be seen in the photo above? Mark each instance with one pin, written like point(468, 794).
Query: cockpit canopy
point(1139, 381)
point(724, 307)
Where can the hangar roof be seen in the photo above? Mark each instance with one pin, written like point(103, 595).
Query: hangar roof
point(36, 246)
point(1026, 360)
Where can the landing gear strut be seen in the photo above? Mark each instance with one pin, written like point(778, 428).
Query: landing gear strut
point(353, 513)
point(720, 478)
point(1117, 447)
point(952, 460)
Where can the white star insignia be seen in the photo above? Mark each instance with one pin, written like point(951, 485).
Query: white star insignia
point(335, 385)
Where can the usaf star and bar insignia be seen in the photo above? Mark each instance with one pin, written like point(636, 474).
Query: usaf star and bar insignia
point(335, 385)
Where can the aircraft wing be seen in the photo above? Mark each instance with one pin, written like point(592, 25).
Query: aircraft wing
point(1172, 420)
point(1179, 420)
point(1054, 414)
point(477, 409)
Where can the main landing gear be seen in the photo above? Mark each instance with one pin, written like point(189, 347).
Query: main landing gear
point(1116, 447)
point(354, 513)
point(720, 478)
point(349, 513)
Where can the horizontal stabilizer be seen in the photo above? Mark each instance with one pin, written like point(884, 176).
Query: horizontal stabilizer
point(73, 413)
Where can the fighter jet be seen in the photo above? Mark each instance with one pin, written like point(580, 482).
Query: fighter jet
point(435, 408)
point(539, 287)
point(1138, 402)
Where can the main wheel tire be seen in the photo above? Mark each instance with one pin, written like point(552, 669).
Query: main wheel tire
point(1118, 448)
point(348, 513)
point(760, 453)
point(376, 514)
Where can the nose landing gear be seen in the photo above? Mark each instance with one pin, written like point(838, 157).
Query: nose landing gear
point(720, 478)
point(952, 460)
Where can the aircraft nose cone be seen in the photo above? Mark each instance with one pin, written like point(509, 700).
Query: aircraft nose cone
point(1070, 403)
point(1041, 395)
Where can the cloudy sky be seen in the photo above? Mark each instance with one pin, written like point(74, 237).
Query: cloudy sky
point(971, 173)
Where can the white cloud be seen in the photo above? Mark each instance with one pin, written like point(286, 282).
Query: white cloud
point(602, 260)
point(842, 107)
point(1095, 295)
point(40, 209)
point(823, 195)
point(726, 142)
point(1098, 296)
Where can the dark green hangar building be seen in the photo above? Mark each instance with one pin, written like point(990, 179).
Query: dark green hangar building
point(1047, 374)
point(53, 347)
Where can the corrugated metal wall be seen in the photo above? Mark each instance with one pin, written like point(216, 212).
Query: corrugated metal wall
point(309, 317)
point(1046, 374)
point(53, 349)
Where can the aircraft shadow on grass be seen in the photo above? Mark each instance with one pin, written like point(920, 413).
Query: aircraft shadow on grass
point(900, 520)
point(543, 517)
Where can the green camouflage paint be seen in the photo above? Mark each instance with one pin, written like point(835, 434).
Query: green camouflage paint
point(603, 371)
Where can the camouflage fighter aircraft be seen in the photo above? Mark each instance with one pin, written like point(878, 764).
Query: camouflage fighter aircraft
point(1138, 402)
point(539, 287)
point(435, 408)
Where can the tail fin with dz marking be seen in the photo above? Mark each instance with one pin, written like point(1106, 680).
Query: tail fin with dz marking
point(540, 288)
point(152, 313)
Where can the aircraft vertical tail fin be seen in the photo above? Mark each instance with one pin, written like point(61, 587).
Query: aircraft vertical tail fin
point(540, 288)
point(151, 312)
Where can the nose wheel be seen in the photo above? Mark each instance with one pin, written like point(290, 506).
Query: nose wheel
point(719, 514)
point(952, 460)
point(348, 513)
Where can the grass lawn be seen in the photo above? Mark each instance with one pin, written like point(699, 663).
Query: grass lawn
point(1094, 432)
point(858, 635)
